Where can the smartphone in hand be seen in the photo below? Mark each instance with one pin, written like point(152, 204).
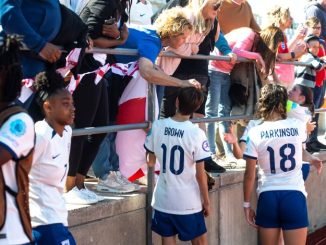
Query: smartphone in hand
point(110, 21)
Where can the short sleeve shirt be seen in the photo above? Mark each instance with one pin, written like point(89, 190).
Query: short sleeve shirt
point(17, 137)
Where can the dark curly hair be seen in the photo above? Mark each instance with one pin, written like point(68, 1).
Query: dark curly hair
point(273, 98)
point(11, 73)
point(47, 84)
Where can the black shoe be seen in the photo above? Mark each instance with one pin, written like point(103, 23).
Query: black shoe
point(311, 147)
point(212, 167)
point(320, 145)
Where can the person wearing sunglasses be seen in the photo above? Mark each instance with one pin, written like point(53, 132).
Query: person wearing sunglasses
point(206, 36)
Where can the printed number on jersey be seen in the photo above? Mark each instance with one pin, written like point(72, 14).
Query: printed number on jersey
point(285, 157)
point(176, 161)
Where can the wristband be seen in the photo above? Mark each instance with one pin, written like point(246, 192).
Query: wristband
point(246, 204)
point(292, 55)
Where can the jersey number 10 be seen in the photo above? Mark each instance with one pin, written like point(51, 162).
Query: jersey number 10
point(172, 160)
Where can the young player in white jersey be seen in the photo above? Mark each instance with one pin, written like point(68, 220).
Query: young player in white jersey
point(276, 145)
point(181, 148)
point(16, 142)
point(299, 105)
point(48, 175)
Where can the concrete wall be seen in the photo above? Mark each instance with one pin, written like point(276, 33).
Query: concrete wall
point(120, 219)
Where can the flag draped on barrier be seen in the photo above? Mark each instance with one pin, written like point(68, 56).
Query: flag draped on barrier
point(133, 106)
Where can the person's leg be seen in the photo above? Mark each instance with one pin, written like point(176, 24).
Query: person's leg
point(295, 237)
point(224, 110)
point(171, 240)
point(201, 240)
point(269, 236)
point(94, 141)
point(313, 137)
point(294, 217)
point(101, 163)
point(211, 107)
point(85, 100)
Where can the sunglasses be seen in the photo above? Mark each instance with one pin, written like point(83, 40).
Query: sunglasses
point(216, 6)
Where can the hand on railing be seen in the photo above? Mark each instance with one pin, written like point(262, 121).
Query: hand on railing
point(50, 52)
point(233, 57)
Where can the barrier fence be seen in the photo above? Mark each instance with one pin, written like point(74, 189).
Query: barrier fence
point(151, 115)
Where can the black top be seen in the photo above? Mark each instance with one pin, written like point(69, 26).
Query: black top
point(97, 11)
point(199, 67)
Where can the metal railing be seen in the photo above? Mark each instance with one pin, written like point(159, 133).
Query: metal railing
point(151, 116)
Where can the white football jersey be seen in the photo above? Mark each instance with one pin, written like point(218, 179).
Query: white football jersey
point(251, 124)
point(178, 146)
point(277, 146)
point(48, 175)
point(17, 137)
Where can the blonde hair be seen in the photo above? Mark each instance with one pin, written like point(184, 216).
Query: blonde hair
point(200, 24)
point(278, 15)
point(313, 21)
point(172, 22)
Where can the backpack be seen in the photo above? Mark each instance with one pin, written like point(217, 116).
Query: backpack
point(23, 166)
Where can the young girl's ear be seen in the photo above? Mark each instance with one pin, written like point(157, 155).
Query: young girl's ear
point(302, 99)
point(46, 107)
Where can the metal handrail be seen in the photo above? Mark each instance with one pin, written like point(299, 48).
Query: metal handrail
point(134, 52)
point(144, 125)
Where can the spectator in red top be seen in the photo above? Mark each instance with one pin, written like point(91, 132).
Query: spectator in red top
point(313, 26)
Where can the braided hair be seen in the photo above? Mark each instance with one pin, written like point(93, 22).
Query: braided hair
point(11, 73)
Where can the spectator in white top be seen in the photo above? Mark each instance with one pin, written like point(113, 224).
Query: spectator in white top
point(141, 12)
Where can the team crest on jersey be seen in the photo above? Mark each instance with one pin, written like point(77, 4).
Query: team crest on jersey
point(283, 45)
point(18, 127)
point(205, 146)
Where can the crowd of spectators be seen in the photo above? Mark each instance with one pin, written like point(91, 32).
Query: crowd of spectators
point(112, 89)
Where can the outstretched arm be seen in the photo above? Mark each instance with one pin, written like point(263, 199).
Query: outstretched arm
point(148, 71)
point(248, 187)
point(313, 160)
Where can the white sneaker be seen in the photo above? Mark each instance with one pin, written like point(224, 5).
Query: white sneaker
point(92, 194)
point(75, 196)
point(113, 184)
point(123, 180)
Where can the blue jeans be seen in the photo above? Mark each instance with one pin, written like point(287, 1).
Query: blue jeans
point(218, 104)
point(106, 159)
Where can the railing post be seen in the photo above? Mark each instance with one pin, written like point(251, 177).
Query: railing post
point(150, 175)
